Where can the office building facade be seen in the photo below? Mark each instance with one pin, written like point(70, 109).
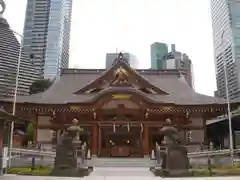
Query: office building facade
point(226, 40)
point(47, 35)
point(130, 58)
point(158, 51)
point(181, 61)
point(9, 54)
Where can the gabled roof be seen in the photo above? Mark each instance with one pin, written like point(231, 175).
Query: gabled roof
point(120, 66)
point(171, 85)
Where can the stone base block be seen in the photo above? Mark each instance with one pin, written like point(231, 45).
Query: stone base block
point(171, 173)
point(80, 172)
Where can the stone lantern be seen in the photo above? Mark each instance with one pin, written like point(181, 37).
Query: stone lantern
point(74, 130)
point(68, 163)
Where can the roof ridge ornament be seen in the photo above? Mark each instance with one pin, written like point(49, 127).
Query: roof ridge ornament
point(2, 7)
point(120, 56)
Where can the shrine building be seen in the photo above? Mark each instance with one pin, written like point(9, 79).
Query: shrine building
point(120, 110)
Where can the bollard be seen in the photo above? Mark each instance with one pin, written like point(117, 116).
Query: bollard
point(33, 163)
point(3, 160)
point(209, 164)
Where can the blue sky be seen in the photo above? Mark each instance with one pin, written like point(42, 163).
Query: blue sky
point(101, 26)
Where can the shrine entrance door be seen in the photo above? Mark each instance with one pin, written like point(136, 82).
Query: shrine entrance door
point(121, 144)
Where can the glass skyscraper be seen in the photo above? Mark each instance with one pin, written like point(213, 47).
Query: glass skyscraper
point(9, 56)
point(226, 38)
point(158, 51)
point(47, 35)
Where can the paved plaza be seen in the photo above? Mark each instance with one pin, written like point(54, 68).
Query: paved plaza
point(115, 174)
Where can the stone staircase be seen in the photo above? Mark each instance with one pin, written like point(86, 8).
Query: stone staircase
point(140, 173)
point(121, 162)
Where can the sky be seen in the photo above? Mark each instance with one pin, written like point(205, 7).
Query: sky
point(102, 26)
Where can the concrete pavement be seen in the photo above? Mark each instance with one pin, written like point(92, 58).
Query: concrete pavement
point(115, 174)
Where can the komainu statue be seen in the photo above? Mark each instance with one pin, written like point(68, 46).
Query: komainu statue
point(175, 161)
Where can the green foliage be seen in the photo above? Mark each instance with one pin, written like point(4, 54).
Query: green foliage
point(219, 170)
point(27, 170)
point(40, 86)
point(228, 166)
point(30, 132)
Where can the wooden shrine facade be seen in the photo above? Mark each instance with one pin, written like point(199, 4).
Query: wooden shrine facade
point(120, 110)
point(131, 125)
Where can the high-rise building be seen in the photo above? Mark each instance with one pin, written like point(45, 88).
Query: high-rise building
point(9, 55)
point(158, 51)
point(226, 38)
point(181, 61)
point(47, 34)
point(130, 58)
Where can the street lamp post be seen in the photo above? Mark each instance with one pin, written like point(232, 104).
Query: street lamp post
point(3, 6)
point(15, 96)
point(228, 101)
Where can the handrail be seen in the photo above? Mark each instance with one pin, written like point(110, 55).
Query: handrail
point(193, 154)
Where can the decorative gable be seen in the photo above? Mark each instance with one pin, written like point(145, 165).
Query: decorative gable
point(121, 78)
point(120, 75)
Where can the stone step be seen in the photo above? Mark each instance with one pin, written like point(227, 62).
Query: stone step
point(123, 172)
point(120, 162)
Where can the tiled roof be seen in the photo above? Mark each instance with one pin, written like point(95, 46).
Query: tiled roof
point(171, 81)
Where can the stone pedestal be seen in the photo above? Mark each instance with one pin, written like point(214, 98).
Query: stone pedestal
point(175, 162)
point(66, 156)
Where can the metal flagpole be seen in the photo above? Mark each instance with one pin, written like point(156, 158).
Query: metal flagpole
point(228, 101)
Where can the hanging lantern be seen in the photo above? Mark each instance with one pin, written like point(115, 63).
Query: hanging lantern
point(187, 115)
point(53, 115)
point(114, 127)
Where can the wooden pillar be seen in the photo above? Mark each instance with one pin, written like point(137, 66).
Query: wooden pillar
point(205, 141)
point(145, 141)
point(185, 135)
point(1, 135)
point(94, 139)
point(99, 139)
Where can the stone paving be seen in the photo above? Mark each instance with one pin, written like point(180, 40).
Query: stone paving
point(115, 174)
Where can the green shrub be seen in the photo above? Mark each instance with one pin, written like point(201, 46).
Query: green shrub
point(227, 166)
point(39, 170)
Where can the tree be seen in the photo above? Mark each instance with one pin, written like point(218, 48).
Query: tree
point(30, 132)
point(40, 86)
point(28, 136)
